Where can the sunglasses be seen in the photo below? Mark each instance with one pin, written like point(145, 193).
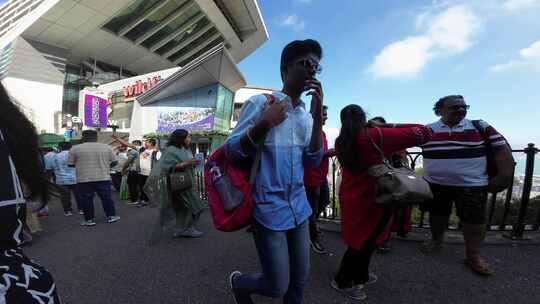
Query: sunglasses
point(309, 64)
point(457, 107)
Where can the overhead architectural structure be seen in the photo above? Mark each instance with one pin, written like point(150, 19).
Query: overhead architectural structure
point(58, 47)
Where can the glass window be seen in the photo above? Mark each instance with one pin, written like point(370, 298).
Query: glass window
point(184, 36)
point(199, 53)
point(129, 14)
point(193, 44)
point(153, 20)
point(173, 26)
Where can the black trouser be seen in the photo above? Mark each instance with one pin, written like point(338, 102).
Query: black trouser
point(133, 184)
point(354, 268)
point(65, 197)
point(142, 180)
point(116, 179)
point(324, 198)
point(313, 196)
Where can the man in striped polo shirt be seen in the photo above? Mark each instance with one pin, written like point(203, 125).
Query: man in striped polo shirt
point(455, 165)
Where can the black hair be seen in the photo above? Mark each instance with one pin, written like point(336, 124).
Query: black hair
point(379, 118)
point(137, 142)
point(298, 48)
point(178, 138)
point(440, 103)
point(64, 146)
point(23, 142)
point(89, 136)
point(152, 141)
point(353, 119)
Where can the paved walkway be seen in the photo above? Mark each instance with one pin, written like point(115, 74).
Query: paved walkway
point(110, 263)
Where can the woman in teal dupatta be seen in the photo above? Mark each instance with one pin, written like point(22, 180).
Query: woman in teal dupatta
point(185, 205)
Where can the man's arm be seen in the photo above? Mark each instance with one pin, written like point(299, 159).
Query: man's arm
point(72, 158)
point(250, 130)
point(330, 153)
point(124, 142)
point(505, 166)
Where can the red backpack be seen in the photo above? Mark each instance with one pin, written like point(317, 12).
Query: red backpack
point(229, 189)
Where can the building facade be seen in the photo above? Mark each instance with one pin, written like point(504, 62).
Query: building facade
point(53, 49)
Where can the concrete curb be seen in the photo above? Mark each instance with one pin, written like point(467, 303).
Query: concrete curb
point(452, 236)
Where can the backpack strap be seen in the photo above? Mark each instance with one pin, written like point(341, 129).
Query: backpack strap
point(153, 159)
point(483, 133)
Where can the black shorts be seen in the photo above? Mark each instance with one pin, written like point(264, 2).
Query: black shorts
point(470, 202)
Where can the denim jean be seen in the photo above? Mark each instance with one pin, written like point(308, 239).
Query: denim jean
point(284, 257)
point(85, 193)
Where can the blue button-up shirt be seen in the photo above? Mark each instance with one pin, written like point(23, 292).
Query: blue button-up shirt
point(65, 175)
point(278, 191)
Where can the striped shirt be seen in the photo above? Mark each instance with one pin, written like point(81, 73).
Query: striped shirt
point(92, 162)
point(456, 156)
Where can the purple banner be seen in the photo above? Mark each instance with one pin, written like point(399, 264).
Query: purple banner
point(95, 111)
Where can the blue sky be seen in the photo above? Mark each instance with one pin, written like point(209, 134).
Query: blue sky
point(396, 58)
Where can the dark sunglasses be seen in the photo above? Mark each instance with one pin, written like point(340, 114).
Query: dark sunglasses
point(457, 107)
point(309, 64)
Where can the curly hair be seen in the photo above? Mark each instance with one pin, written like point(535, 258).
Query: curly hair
point(440, 103)
point(23, 142)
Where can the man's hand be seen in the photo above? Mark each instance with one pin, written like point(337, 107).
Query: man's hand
point(316, 94)
point(274, 113)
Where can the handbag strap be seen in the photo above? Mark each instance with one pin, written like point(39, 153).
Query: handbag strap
point(379, 149)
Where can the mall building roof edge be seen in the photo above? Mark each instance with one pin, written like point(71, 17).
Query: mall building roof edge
point(233, 80)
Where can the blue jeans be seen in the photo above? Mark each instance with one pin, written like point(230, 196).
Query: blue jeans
point(85, 193)
point(284, 257)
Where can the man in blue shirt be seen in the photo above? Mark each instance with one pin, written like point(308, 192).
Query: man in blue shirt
point(292, 141)
point(65, 176)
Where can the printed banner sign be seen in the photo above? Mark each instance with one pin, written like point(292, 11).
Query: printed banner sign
point(95, 111)
point(188, 118)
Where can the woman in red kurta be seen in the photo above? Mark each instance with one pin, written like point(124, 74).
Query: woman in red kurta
point(362, 223)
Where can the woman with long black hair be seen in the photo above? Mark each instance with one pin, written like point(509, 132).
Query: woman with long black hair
point(363, 224)
point(22, 178)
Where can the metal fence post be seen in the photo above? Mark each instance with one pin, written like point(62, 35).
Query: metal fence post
point(507, 200)
point(519, 227)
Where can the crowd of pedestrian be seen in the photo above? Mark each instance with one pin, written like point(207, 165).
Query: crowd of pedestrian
point(290, 189)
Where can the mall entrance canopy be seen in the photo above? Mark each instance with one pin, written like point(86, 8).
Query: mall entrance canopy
point(198, 98)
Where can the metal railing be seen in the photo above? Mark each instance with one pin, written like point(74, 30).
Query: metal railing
point(507, 211)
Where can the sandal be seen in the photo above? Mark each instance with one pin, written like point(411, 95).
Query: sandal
point(479, 265)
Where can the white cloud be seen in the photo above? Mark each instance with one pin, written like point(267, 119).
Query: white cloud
point(515, 5)
point(528, 58)
point(294, 22)
point(447, 33)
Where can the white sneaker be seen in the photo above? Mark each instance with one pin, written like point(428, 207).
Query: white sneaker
point(112, 219)
point(132, 203)
point(88, 223)
point(81, 212)
point(68, 213)
point(356, 292)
